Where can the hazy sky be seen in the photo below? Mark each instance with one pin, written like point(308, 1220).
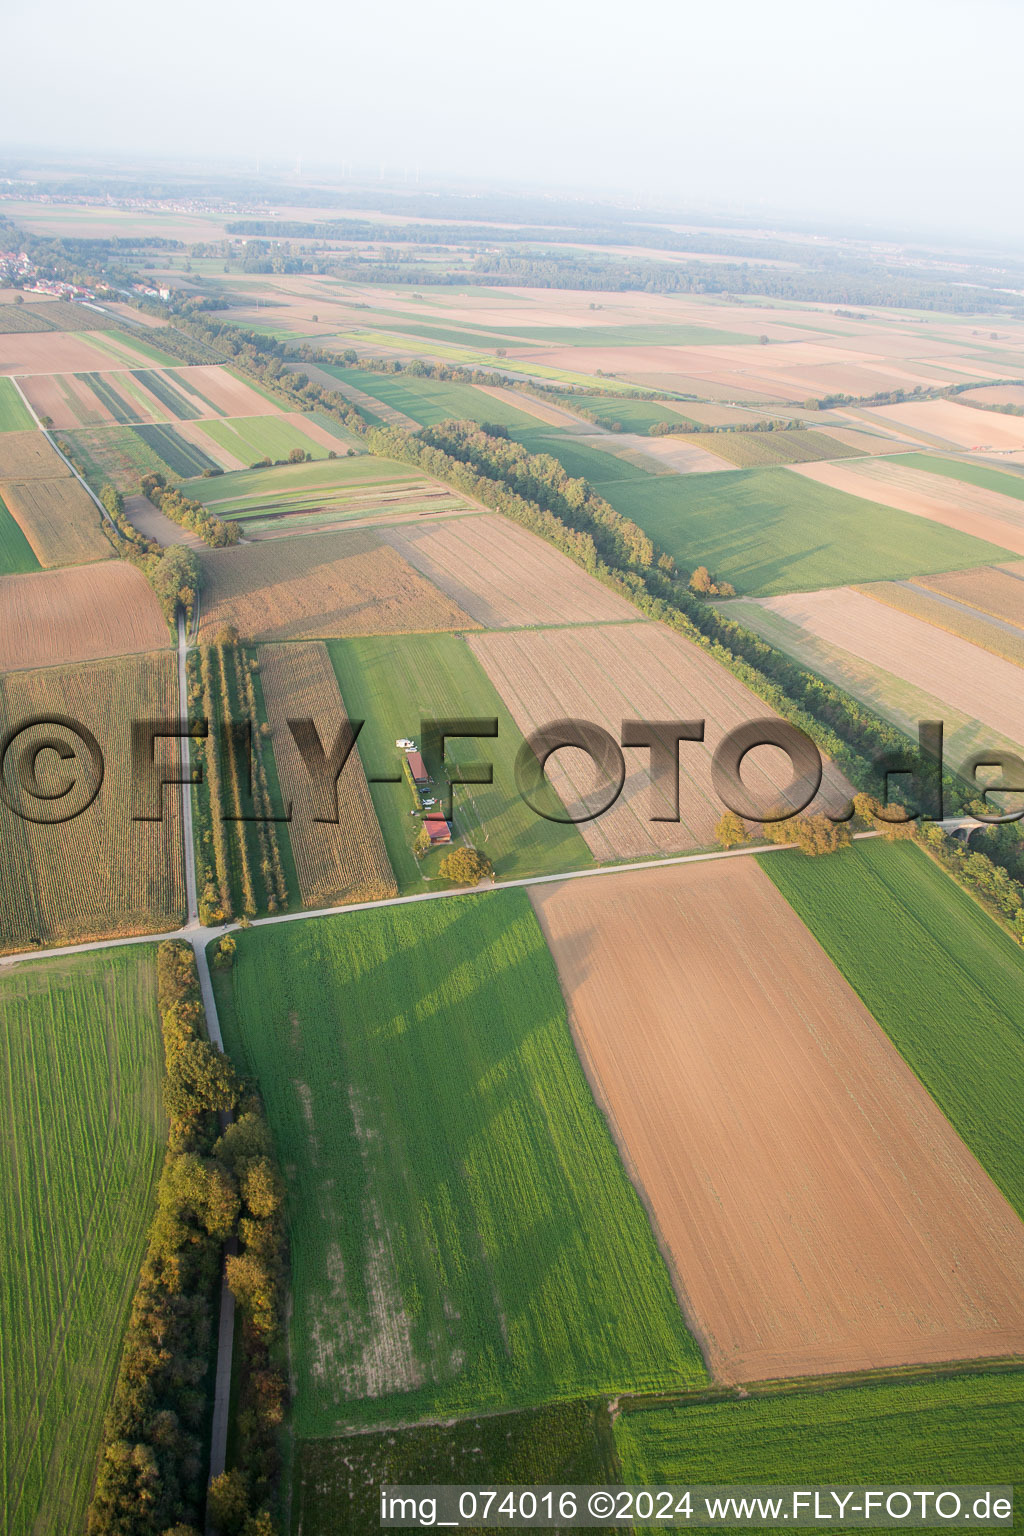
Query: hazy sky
point(906, 109)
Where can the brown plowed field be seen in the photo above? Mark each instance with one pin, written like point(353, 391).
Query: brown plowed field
point(635, 671)
point(552, 415)
point(49, 618)
point(818, 1211)
point(327, 585)
point(152, 523)
point(1000, 394)
point(504, 576)
point(983, 686)
point(69, 402)
point(60, 520)
point(226, 393)
point(970, 508)
point(957, 424)
point(347, 862)
point(29, 456)
point(51, 352)
point(101, 873)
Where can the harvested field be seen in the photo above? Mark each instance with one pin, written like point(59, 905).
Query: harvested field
point(995, 589)
point(971, 509)
point(641, 671)
point(956, 424)
point(60, 520)
point(820, 1212)
point(101, 873)
point(329, 585)
point(82, 613)
point(981, 686)
point(29, 456)
point(217, 392)
point(67, 399)
point(50, 352)
point(1000, 636)
point(997, 394)
point(347, 862)
point(504, 576)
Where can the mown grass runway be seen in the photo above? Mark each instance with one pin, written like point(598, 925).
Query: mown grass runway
point(463, 1234)
point(82, 1135)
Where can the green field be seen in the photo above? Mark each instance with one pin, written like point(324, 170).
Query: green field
point(16, 553)
point(83, 1138)
point(261, 437)
point(970, 474)
point(941, 978)
point(246, 492)
point(624, 335)
point(429, 401)
point(920, 1434)
point(14, 415)
point(337, 1482)
point(463, 1234)
point(770, 531)
point(631, 415)
point(391, 681)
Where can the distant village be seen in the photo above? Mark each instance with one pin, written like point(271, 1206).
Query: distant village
point(17, 271)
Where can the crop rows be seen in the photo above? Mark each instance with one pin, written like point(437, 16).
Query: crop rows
point(334, 863)
point(108, 396)
point(164, 391)
point(80, 1069)
point(184, 458)
point(101, 873)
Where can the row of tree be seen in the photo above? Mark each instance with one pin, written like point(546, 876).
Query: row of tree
point(218, 1184)
point(188, 514)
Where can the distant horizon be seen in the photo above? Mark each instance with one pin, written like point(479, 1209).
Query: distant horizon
point(890, 117)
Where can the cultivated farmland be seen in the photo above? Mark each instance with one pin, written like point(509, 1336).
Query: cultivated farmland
point(393, 682)
point(504, 576)
point(13, 415)
point(251, 438)
point(772, 530)
point(51, 352)
point(78, 614)
point(1000, 636)
point(749, 450)
point(80, 1069)
point(973, 510)
point(820, 1213)
point(998, 590)
point(942, 979)
point(101, 873)
point(329, 584)
point(955, 424)
point(428, 401)
point(451, 1188)
point(980, 686)
point(334, 863)
point(635, 671)
point(16, 553)
point(60, 520)
point(29, 456)
point(915, 1434)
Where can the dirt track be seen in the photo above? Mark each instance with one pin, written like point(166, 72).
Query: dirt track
point(819, 1212)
